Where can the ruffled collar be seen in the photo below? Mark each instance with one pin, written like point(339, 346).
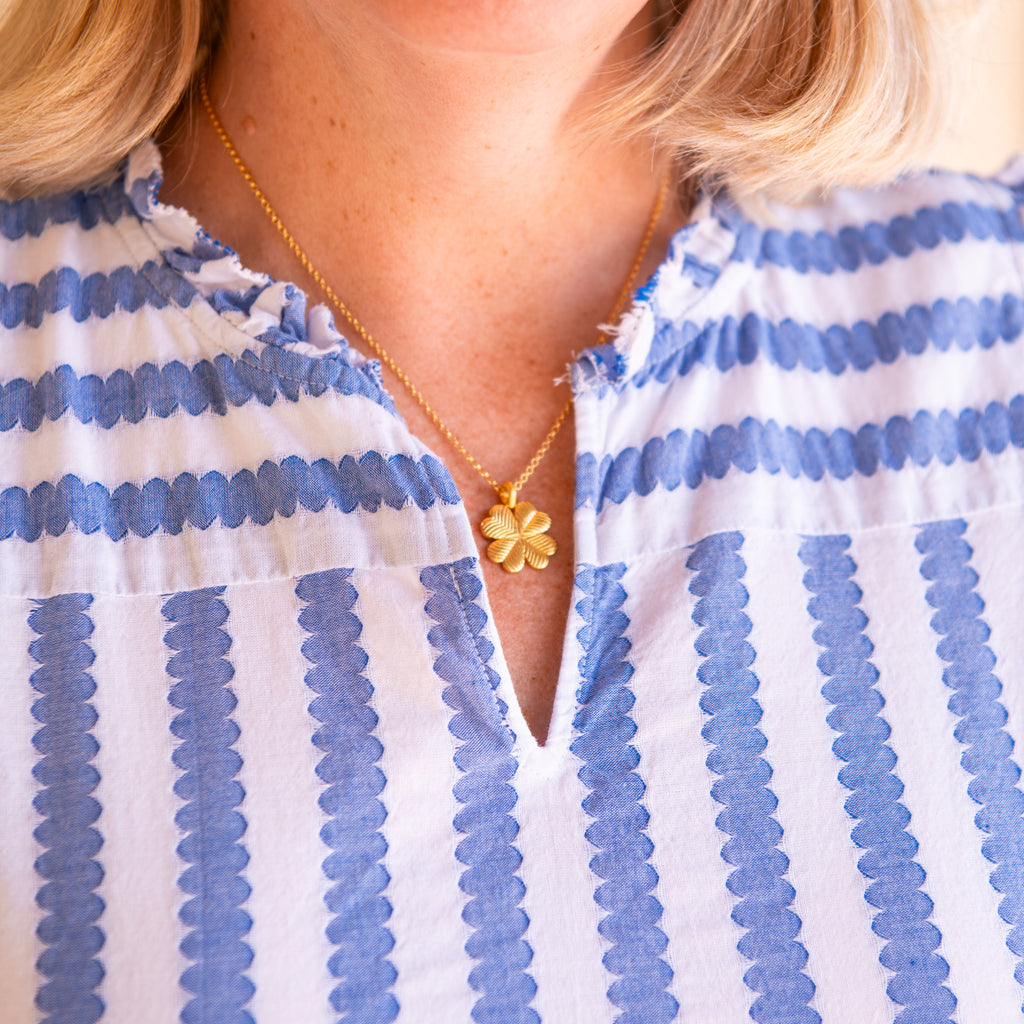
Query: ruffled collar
point(277, 312)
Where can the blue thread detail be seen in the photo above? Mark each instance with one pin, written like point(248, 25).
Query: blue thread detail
point(724, 344)
point(758, 881)
point(897, 880)
point(142, 193)
point(208, 386)
point(349, 770)
point(100, 295)
point(604, 729)
point(682, 458)
point(223, 300)
point(20, 217)
point(275, 489)
point(988, 756)
point(213, 825)
point(701, 273)
point(851, 248)
point(484, 789)
point(68, 865)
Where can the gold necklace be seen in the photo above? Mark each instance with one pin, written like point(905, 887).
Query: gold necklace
point(517, 530)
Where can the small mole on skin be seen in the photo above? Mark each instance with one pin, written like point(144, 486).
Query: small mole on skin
point(249, 125)
point(332, 121)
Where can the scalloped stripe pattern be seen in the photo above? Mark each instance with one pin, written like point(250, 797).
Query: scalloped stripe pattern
point(487, 798)
point(353, 781)
point(896, 890)
point(969, 673)
point(213, 882)
point(851, 248)
point(946, 325)
point(604, 727)
point(69, 931)
point(125, 289)
point(208, 386)
point(30, 217)
point(691, 458)
point(764, 896)
point(275, 489)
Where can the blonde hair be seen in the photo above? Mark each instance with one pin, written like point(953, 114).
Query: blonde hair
point(788, 97)
point(776, 96)
point(84, 81)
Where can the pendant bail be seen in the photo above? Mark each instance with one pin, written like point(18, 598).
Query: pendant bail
point(507, 494)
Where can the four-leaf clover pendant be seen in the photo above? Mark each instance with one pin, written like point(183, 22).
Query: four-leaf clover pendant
point(518, 533)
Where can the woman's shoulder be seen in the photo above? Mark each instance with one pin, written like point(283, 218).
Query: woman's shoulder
point(828, 367)
point(851, 229)
point(84, 256)
point(107, 279)
point(933, 259)
point(927, 240)
point(51, 246)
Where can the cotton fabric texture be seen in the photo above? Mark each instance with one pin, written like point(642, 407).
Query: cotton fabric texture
point(261, 756)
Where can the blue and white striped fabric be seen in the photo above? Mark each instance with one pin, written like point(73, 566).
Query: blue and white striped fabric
point(261, 756)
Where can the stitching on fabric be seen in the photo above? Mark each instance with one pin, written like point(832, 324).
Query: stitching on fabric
point(217, 342)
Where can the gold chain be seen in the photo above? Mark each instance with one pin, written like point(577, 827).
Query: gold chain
point(517, 530)
point(372, 342)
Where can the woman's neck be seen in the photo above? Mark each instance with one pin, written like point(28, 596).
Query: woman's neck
point(423, 179)
point(445, 195)
point(334, 90)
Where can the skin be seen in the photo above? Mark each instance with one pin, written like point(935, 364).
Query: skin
point(443, 133)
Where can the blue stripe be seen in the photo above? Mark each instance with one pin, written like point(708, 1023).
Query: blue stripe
point(958, 325)
point(107, 203)
point(68, 866)
point(691, 458)
point(604, 729)
point(159, 284)
point(764, 896)
point(213, 826)
point(988, 756)
point(275, 489)
point(897, 880)
point(126, 288)
point(871, 244)
point(483, 755)
point(208, 386)
point(349, 770)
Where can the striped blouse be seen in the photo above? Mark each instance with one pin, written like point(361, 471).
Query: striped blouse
point(262, 762)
